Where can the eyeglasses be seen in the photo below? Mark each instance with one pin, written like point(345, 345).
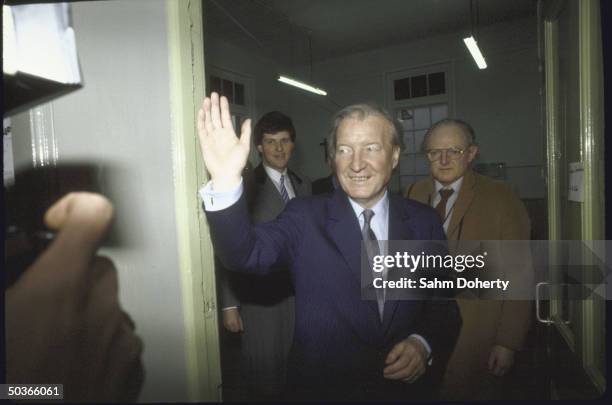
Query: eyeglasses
point(451, 154)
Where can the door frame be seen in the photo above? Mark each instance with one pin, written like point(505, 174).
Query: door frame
point(196, 256)
point(590, 78)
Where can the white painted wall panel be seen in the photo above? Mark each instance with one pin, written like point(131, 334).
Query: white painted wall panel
point(120, 121)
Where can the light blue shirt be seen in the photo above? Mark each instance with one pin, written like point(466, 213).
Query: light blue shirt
point(379, 222)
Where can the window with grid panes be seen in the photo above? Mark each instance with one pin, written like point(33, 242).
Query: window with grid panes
point(415, 121)
point(234, 90)
point(238, 89)
point(418, 97)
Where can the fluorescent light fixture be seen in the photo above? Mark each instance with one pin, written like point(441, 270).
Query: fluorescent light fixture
point(472, 46)
point(303, 86)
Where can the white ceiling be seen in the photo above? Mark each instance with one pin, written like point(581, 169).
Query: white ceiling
point(280, 29)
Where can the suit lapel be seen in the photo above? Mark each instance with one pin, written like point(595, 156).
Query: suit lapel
point(466, 195)
point(398, 218)
point(296, 183)
point(399, 229)
point(268, 191)
point(343, 228)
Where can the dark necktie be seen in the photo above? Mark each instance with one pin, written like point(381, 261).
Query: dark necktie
point(372, 249)
point(441, 207)
point(283, 191)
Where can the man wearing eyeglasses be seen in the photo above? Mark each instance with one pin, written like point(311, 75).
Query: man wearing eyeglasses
point(262, 308)
point(475, 207)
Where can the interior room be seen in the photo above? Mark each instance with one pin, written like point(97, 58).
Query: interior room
point(360, 53)
point(128, 131)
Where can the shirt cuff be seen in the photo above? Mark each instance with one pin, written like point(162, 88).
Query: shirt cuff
point(227, 308)
point(217, 201)
point(427, 347)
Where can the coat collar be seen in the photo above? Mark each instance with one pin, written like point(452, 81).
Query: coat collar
point(463, 202)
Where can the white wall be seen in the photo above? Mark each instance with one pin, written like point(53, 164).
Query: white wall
point(120, 123)
point(271, 95)
point(501, 102)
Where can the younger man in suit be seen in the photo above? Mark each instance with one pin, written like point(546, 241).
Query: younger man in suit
point(474, 207)
point(262, 308)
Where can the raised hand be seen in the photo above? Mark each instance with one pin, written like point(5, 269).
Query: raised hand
point(225, 155)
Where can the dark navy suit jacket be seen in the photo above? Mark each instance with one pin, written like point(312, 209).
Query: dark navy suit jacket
point(338, 336)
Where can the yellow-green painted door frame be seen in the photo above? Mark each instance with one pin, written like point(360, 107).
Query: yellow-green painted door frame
point(592, 139)
point(186, 64)
point(588, 138)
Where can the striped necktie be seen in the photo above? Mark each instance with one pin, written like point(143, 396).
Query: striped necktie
point(283, 190)
point(441, 207)
point(372, 249)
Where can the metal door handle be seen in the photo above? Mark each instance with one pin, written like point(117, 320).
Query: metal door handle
point(537, 300)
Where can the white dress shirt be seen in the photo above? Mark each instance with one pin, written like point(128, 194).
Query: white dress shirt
point(275, 176)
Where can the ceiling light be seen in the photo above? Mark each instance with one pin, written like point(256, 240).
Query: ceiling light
point(303, 86)
point(470, 41)
point(471, 44)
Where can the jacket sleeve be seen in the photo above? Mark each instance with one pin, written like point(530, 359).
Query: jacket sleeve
point(515, 314)
point(227, 293)
point(440, 327)
point(242, 246)
point(441, 319)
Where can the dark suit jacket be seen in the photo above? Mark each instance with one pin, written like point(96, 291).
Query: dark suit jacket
point(323, 185)
point(340, 343)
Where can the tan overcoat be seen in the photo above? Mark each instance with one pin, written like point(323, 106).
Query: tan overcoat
point(485, 209)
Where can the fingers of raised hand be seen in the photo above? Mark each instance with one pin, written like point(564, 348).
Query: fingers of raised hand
point(201, 119)
point(245, 132)
point(215, 113)
point(226, 117)
point(207, 106)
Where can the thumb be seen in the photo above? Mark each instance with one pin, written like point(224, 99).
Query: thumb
point(89, 214)
point(81, 221)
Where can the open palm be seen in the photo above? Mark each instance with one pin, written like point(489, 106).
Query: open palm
point(224, 154)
